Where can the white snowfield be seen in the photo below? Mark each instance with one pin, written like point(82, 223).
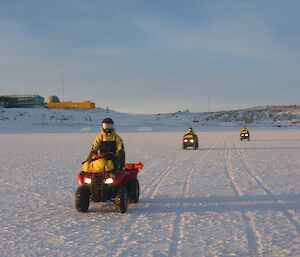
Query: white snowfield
point(229, 198)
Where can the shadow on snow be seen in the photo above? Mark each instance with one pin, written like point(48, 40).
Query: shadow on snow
point(251, 148)
point(220, 204)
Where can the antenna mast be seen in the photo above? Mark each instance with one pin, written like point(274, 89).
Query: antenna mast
point(63, 88)
point(208, 103)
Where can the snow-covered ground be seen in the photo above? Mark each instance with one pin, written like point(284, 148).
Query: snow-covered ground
point(229, 198)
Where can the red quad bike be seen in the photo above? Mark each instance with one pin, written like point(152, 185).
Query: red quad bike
point(245, 135)
point(101, 187)
point(190, 142)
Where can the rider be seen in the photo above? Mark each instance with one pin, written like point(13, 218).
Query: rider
point(190, 132)
point(109, 143)
point(244, 130)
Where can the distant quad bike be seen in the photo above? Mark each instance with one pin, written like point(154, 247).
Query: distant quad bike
point(245, 135)
point(120, 189)
point(190, 141)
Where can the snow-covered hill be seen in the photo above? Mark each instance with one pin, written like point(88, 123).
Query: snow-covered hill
point(265, 115)
point(47, 120)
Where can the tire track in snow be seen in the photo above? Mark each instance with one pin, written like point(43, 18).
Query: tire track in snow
point(254, 238)
point(132, 221)
point(156, 183)
point(176, 245)
point(155, 164)
point(248, 167)
point(152, 165)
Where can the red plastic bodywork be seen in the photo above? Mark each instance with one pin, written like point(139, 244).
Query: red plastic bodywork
point(122, 176)
point(80, 178)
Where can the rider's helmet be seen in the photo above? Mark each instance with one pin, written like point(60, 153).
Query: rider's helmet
point(190, 130)
point(107, 125)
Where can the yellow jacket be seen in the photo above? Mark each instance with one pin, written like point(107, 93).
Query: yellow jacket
point(244, 130)
point(111, 141)
point(189, 134)
point(113, 136)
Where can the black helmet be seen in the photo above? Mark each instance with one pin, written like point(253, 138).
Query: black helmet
point(190, 130)
point(107, 125)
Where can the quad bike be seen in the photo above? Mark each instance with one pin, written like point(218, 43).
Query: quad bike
point(245, 135)
point(190, 142)
point(119, 187)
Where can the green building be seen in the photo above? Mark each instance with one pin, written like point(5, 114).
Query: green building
point(21, 101)
point(2, 101)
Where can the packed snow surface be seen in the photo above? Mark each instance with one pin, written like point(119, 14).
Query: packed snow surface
point(229, 198)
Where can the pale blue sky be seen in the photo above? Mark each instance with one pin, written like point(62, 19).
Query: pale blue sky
point(153, 56)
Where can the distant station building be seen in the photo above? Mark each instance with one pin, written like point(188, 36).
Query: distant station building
point(54, 102)
point(2, 101)
point(52, 99)
point(21, 101)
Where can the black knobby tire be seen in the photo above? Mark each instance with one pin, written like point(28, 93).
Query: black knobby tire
point(121, 199)
point(133, 191)
point(82, 198)
point(183, 146)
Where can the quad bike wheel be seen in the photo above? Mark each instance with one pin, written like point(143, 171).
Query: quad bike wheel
point(82, 199)
point(133, 191)
point(121, 199)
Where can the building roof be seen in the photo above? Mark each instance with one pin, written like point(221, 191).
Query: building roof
point(11, 96)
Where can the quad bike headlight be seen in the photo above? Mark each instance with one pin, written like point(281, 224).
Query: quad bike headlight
point(87, 180)
point(108, 181)
point(192, 140)
point(246, 135)
point(185, 140)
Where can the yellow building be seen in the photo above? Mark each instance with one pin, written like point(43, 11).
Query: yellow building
point(72, 105)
